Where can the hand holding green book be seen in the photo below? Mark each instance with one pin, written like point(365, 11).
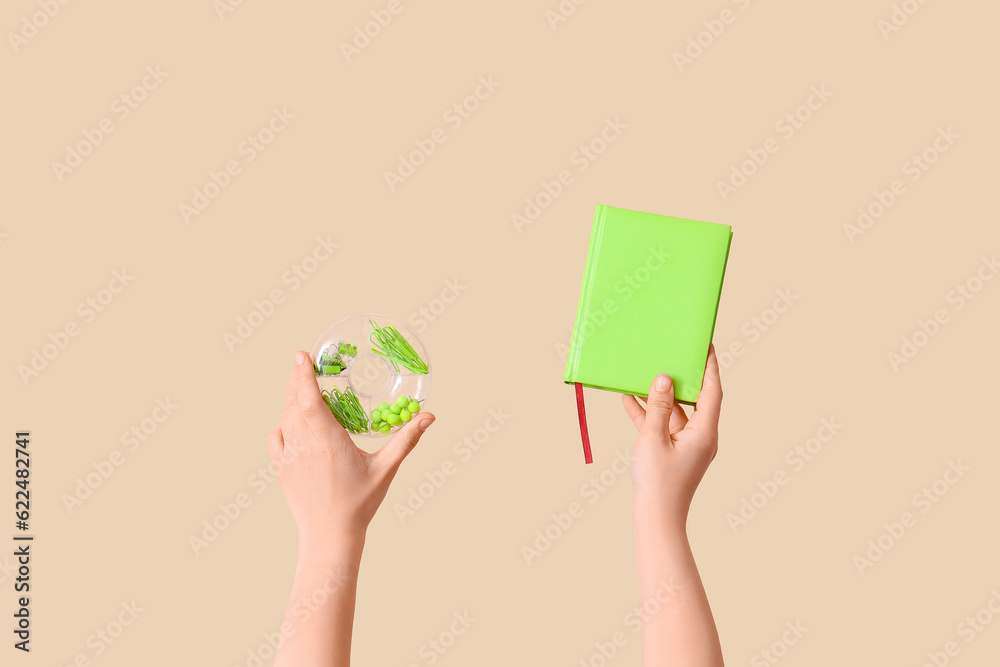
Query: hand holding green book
point(648, 304)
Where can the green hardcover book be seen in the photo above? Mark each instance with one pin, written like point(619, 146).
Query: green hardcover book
point(648, 304)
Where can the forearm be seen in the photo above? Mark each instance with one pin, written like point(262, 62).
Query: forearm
point(677, 625)
point(319, 619)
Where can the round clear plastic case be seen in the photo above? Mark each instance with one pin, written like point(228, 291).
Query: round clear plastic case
point(374, 373)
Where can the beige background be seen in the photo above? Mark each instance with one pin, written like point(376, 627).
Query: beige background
point(497, 344)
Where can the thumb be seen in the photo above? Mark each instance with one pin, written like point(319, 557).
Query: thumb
point(403, 442)
point(659, 405)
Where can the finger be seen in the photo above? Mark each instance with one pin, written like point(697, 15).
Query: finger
point(403, 442)
point(312, 409)
point(288, 424)
point(290, 393)
point(710, 397)
point(678, 419)
point(634, 410)
point(659, 404)
point(275, 445)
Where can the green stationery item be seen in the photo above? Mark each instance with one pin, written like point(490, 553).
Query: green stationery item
point(648, 304)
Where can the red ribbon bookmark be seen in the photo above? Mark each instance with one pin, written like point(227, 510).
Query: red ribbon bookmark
point(588, 457)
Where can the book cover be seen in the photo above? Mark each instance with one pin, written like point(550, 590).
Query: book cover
point(648, 303)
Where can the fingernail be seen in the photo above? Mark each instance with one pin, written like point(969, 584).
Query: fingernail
point(300, 358)
point(424, 424)
point(662, 382)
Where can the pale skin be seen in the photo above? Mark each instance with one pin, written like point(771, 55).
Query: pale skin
point(333, 490)
point(671, 455)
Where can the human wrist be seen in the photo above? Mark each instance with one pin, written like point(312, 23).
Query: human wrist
point(342, 545)
point(654, 515)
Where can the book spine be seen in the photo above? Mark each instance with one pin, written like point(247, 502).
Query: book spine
point(583, 311)
point(722, 280)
